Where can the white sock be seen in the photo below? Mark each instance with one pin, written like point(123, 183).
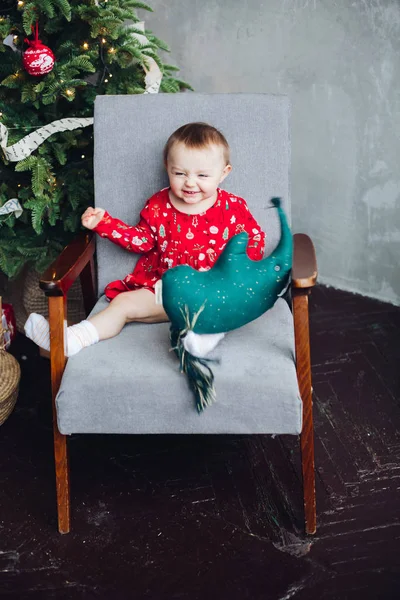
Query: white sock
point(80, 336)
point(77, 336)
point(201, 344)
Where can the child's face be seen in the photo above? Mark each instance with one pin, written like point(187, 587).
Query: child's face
point(194, 174)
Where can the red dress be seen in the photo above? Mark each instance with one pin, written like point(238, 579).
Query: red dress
point(167, 237)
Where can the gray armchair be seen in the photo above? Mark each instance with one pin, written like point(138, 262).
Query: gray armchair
point(263, 381)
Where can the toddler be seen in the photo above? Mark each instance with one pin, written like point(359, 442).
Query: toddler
point(187, 223)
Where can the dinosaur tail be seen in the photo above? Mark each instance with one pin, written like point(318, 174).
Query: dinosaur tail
point(285, 245)
point(276, 202)
point(197, 370)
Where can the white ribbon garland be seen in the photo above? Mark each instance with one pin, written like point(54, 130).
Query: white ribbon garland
point(9, 41)
point(30, 142)
point(11, 206)
point(153, 73)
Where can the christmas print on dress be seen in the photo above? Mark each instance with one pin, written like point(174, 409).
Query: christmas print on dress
point(167, 238)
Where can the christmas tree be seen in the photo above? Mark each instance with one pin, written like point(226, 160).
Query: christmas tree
point(99, 47)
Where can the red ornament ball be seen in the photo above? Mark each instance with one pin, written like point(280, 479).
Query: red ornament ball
point(38, 59)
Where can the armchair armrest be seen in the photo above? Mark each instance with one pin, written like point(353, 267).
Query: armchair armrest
point(304, 271)
point(62, 273)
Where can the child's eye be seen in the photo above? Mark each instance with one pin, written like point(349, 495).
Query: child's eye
point(201, 175)
point(178, 173)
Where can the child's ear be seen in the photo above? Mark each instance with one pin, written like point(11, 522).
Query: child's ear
point(225, 172)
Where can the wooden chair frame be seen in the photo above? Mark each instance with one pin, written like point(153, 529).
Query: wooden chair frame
point(77, 260)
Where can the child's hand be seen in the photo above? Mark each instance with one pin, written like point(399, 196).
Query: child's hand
point(92, 217)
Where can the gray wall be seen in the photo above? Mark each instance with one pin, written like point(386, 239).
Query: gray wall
point(339, 62)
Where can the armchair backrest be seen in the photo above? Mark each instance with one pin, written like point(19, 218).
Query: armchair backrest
point(130, 133)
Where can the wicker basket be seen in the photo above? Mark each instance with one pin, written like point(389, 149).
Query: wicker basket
point(10, 375)
point(24, 294)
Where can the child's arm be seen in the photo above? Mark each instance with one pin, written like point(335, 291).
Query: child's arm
point(138, 238)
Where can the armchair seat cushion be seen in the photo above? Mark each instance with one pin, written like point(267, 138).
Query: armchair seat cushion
point(132, 383)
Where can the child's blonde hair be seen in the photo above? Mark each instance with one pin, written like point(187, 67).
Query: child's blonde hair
point(197, 135)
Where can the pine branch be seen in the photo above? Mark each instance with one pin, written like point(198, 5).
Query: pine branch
point(29, 17)
point(28, 93)
point(41, 171)
point(64, 8)
point(38, 211)
point(11, 81)
point(80, 63)
point(46, 7)
point(133, 4)
point(26, 164)
point(159, 43)
point(60, 152)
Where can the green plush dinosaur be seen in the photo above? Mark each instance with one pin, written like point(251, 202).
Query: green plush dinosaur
point(234, 292)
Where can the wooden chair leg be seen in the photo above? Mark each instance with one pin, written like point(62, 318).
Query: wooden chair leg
point(58, 361)
point(303, 367)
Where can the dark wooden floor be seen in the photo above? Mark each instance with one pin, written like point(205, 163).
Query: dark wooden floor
point(218, 517)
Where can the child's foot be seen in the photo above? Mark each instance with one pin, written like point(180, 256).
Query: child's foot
point(201, 344)
point(77, 336)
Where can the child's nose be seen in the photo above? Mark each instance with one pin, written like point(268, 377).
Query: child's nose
point(190, 181)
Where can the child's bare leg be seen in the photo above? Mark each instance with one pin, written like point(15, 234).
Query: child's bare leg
point(127, 307)
point(138, 305)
